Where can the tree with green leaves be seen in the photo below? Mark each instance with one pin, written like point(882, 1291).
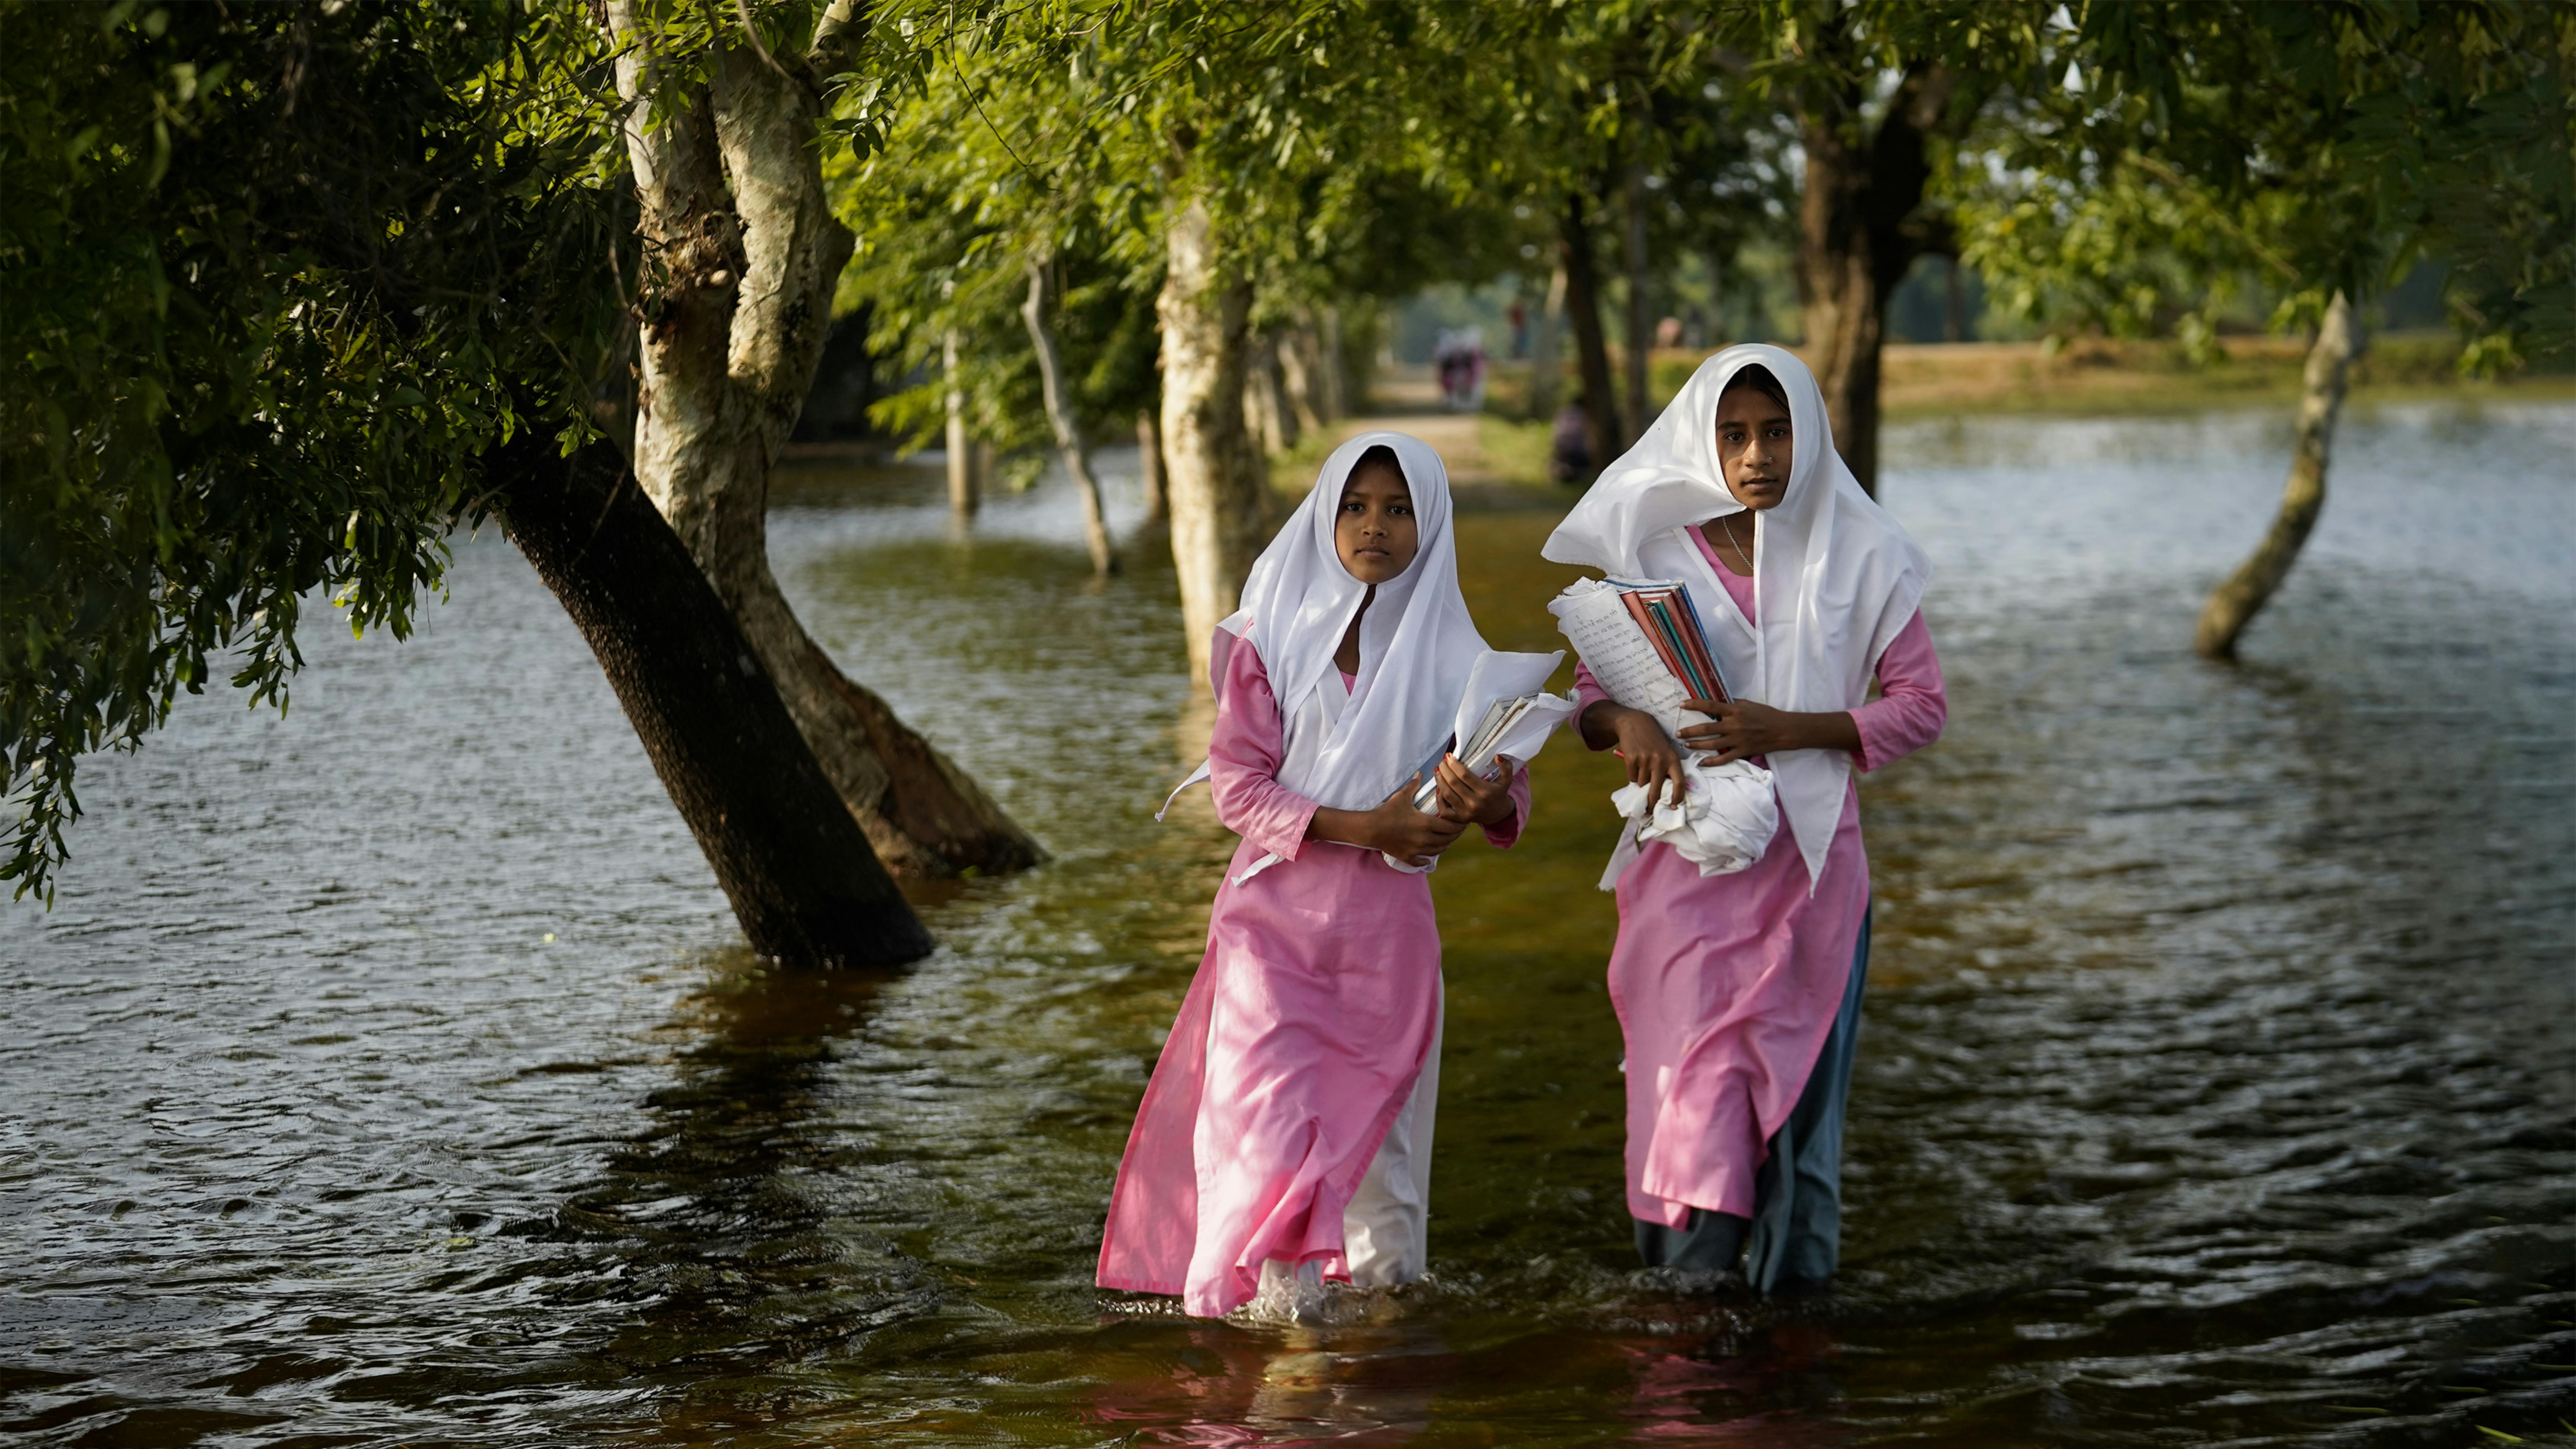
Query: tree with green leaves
point(2323, 149)
point(977, 203)
point(1216, 160)
point(291, 293)
point(1881, 91)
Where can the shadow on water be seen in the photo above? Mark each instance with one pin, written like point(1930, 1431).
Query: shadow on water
point(733, 1205)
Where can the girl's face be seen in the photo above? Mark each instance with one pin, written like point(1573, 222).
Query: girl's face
point(1753, 445)
point(1374, 532)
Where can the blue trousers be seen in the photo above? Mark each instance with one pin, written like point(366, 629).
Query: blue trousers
point(1794, 1238)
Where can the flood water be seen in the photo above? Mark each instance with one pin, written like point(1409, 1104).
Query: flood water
point(393, 1074)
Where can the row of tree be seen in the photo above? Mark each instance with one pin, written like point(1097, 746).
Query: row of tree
point(292, 292)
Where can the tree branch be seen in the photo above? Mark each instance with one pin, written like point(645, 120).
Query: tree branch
point(835, 38)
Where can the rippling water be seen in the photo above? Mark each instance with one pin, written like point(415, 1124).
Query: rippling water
point(392, 1074)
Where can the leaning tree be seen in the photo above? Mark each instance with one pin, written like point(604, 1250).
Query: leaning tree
point(727, 117)
point(293, 293)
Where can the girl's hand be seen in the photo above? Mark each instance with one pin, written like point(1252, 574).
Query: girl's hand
point(1469, 799)
point(1743, 729)
point(1653, 760)
point(1399, 829)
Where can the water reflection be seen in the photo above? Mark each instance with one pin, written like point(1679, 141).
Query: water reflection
point(729, 1210)
point(1217, 1385)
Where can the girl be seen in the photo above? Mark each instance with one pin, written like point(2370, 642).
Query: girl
point(1286, 1135)
point(1739, 995)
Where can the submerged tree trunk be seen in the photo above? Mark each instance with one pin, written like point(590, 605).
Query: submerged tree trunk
point(802, 879)
point(1591, 350)
point(1217, 482)
point(2236, 602)
point(1068, 428)
point(1857, 233)
point(965, 485)
point(1547, 371)
point(744, 256)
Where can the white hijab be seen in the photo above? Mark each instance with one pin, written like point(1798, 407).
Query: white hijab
point(1834, 578)
point(1417, 644)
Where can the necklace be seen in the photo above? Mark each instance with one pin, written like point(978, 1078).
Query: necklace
point(1723, 526)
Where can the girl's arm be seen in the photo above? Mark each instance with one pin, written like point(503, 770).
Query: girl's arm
point(1652, 758)
point(1913, 702)
point(1394, 827)
point(1908, 715)
point(1244, 754)
point(1499, 806)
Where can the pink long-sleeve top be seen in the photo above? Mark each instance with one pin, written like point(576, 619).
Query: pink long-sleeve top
point(1311, 1015)
point(1726, 986)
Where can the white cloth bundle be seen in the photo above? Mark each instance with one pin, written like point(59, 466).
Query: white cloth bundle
point(1726, 819)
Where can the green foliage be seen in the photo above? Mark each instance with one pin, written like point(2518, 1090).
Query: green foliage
point(275, 278)
point(2193, 148)
point(947, 214)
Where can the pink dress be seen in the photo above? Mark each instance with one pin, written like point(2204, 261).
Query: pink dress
point(1314, 1012)
point(1726, 986)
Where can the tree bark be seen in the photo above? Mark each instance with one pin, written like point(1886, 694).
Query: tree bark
point(1301, 375)
point(1332, 376)
point(1641, 337)
point(799, 871)
point(965, 485)
point(2236, 602)
point(1217, 482)
point(1149, 465)
point(1266, 411)
point(1857, 233)
point(744, 256)
point(1547, 371)
point(1591, 350)
point(1068, 428)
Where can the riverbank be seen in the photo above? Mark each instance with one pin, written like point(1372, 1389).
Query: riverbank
point(1500, 448)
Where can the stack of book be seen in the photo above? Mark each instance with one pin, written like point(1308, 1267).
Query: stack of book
point(1643, 642)
point(1502, 719)
point(1671, 624)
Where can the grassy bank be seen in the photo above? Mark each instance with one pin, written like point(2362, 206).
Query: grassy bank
point(1502, 447)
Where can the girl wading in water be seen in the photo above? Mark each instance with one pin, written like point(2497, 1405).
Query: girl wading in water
point(1285, 1138)
point(1739, 994)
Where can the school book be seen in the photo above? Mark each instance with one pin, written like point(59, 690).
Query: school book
point(1671, 623)
point(1642, 640)
point(1504, 710)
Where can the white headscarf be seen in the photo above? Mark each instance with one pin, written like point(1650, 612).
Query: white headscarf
point(1417, 644)
point(1834, 578)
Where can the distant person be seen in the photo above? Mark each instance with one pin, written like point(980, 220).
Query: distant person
point(1520, 329)
point(1668, 332)
point(1569, 457)
point(1448, 360)
point(1739, 994)
point(1285, 1137)
point(1460, 359)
